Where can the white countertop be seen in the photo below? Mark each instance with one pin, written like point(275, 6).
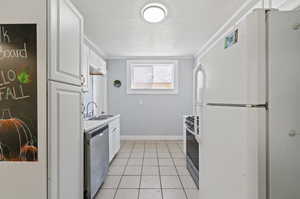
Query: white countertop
point(89, 125)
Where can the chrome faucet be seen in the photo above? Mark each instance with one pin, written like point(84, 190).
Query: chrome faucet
point(90, 114)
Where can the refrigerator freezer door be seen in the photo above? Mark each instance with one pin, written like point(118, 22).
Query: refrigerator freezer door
point(284, 98)
point(232, 153)
point(237, 74)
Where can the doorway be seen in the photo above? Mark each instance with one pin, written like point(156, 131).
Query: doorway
point(199, 85)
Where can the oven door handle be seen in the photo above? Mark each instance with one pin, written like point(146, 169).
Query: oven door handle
point(197, 137)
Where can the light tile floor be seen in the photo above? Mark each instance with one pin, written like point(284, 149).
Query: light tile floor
point(149, 170)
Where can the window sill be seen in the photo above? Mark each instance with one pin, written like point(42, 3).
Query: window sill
point(151, 92)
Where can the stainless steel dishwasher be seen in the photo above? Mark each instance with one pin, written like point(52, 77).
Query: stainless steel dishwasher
point(96, 160)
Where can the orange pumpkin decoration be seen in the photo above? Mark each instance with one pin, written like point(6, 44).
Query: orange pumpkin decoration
point(16, 136)
point(4, 152)
point(28, 153)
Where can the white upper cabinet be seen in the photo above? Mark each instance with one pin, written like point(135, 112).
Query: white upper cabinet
point(85, 68)
point(68, 46)
point(97, 63)
point(92, 63)
point(93, 58)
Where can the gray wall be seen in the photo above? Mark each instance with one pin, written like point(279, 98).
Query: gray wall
point(158, 115)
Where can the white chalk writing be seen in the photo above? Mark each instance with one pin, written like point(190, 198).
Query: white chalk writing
point(10, 92)
point(4, 37)
point(13, 53)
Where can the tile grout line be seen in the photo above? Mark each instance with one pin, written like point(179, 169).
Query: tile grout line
point(178, 174)
point(159, 174)
point(139, 190)
point(182, 150)
point(157, 144)
point(115, 195)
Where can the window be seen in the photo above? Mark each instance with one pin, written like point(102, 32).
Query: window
point(152, 77)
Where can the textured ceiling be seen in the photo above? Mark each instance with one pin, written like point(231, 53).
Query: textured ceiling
point(117, 28)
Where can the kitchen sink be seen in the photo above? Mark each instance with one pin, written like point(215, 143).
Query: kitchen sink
point(101, 117)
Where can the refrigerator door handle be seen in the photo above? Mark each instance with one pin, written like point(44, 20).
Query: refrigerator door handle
point(266, 105)
point(296, 26)
point(293, 133)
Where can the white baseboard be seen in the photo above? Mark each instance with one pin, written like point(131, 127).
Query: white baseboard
point(149, 137)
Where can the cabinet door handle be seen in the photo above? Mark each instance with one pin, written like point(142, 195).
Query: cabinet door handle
point(82, 80)
point(82, 109)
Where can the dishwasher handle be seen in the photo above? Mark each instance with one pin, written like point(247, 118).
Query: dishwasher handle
point(98, 131)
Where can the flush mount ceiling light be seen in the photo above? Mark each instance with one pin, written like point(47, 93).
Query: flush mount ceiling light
point(154, 12)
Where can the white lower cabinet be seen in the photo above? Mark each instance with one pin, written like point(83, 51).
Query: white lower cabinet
point(118, 141)
point(65, 142)
point(114, 138)
point(110, 146)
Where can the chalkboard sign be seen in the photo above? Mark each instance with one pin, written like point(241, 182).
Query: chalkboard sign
point(18, 92)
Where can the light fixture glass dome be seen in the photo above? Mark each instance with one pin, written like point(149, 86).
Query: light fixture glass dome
point(154, 12)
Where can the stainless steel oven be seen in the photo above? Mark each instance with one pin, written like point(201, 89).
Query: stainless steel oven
point(192, 146)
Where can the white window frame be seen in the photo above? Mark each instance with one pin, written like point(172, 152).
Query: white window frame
point(172, 91)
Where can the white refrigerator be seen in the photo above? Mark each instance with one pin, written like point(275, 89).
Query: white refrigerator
point(250, 143)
